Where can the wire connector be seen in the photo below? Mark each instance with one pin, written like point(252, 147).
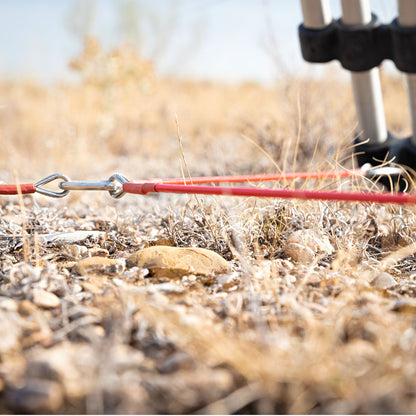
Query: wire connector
point(114, 185)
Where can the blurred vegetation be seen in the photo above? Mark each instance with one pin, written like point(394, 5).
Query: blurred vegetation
point(142, 32)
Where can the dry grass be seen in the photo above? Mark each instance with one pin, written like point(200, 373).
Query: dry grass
point(276, 335)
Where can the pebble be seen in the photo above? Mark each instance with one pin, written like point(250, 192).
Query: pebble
point(9, 332)
point(98, 252)
point(166, 288)
point(177, 361)
point(127, 358)
point(8, 304)
point(163, 241)
point(135, 273)
point(26, 308)
point(383, 281)
point(405, 306)
point(76, 251)
point(36, 396)
point(192, 389)
point(99, 264)
point(303, 246)
point(73, 237)
point(45, 299)
point(229, 280)
point(175, 262)
point(71, 364)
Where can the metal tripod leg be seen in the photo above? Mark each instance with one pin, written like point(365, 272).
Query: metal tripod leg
point(316, 13)
point(366, 84)
point(407, 17)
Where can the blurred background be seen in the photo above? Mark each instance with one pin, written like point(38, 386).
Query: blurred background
point(217, 40)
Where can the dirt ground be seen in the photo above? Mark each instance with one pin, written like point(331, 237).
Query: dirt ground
point(316, 313)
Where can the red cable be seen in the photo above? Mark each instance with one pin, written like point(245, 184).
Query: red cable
point(25, 188)
point(263, 177)
point(378, 197)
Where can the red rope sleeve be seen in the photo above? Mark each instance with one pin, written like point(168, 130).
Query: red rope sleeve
point(378, 197)
point(263, 177)
point(26, 188)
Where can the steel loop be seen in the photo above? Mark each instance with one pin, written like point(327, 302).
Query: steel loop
point(49, 179)
point(117, 180)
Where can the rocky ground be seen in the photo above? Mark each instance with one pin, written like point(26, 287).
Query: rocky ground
point(157, 304)
point(289, 309)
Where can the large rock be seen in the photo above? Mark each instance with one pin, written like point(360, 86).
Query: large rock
point(175, 262)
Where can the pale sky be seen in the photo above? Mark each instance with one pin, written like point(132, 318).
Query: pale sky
point(228, 40)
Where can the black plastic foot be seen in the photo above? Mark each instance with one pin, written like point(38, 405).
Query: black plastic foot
point(395, 151)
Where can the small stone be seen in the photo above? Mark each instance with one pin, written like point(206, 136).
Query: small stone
point(74, 237)
point(26, 308)
point(76, 288)
point(175, 262)
point(98, 252)
point(299, 253)
point(167, 288)
point(135, 274)
point(383, 281)
point(36, 396)
point(405, 306)
point(76, 251)
point(127, 358)
point(229, 280)
point(8, 304)
point(177, 361)
point(10, 332)
point(164, 241)
point(304, 245)
point(98, 264)
point(70, 364)
point(45, 299)
point(192, 389)
point(99, 331)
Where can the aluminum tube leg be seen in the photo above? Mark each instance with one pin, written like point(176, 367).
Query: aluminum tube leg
point(316, 13)
point(366, 84)
point(407, 17)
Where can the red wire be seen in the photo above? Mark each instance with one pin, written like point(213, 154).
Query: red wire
point(188, 186)
point(378, 197)
point(262, 177)
point(25, 188)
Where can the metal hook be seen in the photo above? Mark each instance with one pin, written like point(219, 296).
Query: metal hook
point(48, 179)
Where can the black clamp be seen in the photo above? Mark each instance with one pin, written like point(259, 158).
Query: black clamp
point(361, 47)
point(394, 151)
